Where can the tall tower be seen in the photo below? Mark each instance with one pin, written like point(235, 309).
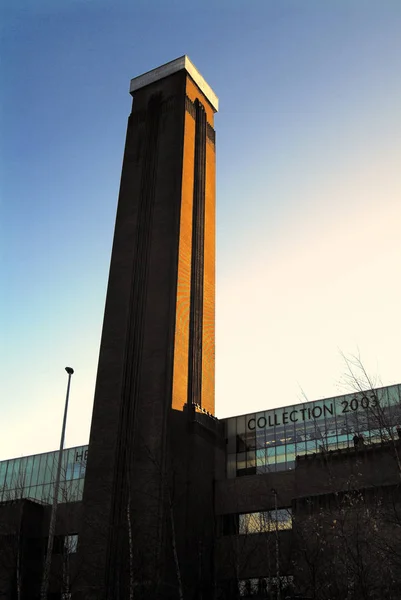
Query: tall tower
point(157, 349)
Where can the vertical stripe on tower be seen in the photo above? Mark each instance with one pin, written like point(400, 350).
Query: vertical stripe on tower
point(197, 263)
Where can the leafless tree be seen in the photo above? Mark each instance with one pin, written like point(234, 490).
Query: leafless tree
point(69, 493)
point(384, 418)
point(251, 543)
point(351, 546)
point(346, 548)
point(11, 552)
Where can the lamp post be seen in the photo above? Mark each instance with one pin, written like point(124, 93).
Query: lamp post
point(274, 492)
point(52, 526)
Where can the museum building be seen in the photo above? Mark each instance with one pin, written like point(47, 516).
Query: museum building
point(167, 501)
point(267, 465)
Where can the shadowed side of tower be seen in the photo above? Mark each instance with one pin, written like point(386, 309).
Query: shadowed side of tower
point(156, 360)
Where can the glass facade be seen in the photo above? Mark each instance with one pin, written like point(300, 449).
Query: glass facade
point(265, 587)
point(269, 441)
point(265, 521)
point(34, 476)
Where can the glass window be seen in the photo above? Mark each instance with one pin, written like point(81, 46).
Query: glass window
point(28, 466)
point(251, 459)
point(47, 493)
point(312, 427)
point(80, 489)
point(241, 460)
point(36, 493)
point(34, 476)
point(260, 439)
point(260, 458)
point(245, 442)
point(251, 523)
point(42, 468)
point(284, 518)
point(263, 586)
point(64, 463)
point(241, 424)
point(310, 432)
point(290, 448)
point(280, 435)
point(311, 447)
point(231, 465)
point(231, 435)
point(50, 469)
point(20, 478)
point(270, 436)
point(338, 406)
point(247, 587)
point(331, 442)
point(266, 521)
point(291, 455)
point(35, 470)
point(382, 396)
point(73, 470)
point(71, 543)
point(3, 474)
point(9, 475)
point(271, 454)
point(79, 458)
point(83, 468)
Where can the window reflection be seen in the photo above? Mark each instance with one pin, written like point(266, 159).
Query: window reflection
point(264, 586)
point(34, 476)
point(313, 427)
point(266, 521)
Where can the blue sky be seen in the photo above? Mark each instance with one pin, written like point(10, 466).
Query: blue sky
point(308, 193)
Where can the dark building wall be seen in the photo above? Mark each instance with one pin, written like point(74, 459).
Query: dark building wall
point(314, 474)
point(253, 555)
point(21, 548)
point(24, 529)
point(196, 448)
point(65, 568)
point(366, 466)
point(338, 499)
point(254, 492)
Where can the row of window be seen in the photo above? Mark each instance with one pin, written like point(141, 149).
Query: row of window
point(65, 544)
point(263, 586)
point(267, 521)
point(282, 458)
point(70, 491)
point(270, 441)
point(34, 476)
point(306, 415)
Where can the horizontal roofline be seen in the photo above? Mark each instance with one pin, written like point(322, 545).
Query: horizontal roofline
point(384, 387)
point(179, 64)
point(55, 451)
point(306, 402)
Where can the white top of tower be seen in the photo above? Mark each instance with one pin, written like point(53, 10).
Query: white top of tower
point(179, 64)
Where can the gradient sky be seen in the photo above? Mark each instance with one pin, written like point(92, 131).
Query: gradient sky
point(308, 193)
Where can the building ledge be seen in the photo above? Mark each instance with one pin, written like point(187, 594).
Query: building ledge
point(179, 64)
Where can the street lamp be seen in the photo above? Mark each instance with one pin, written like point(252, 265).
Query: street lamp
point(274, 492)
point(52, 526)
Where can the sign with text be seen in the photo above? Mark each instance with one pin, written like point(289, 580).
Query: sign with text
point(312, 411)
